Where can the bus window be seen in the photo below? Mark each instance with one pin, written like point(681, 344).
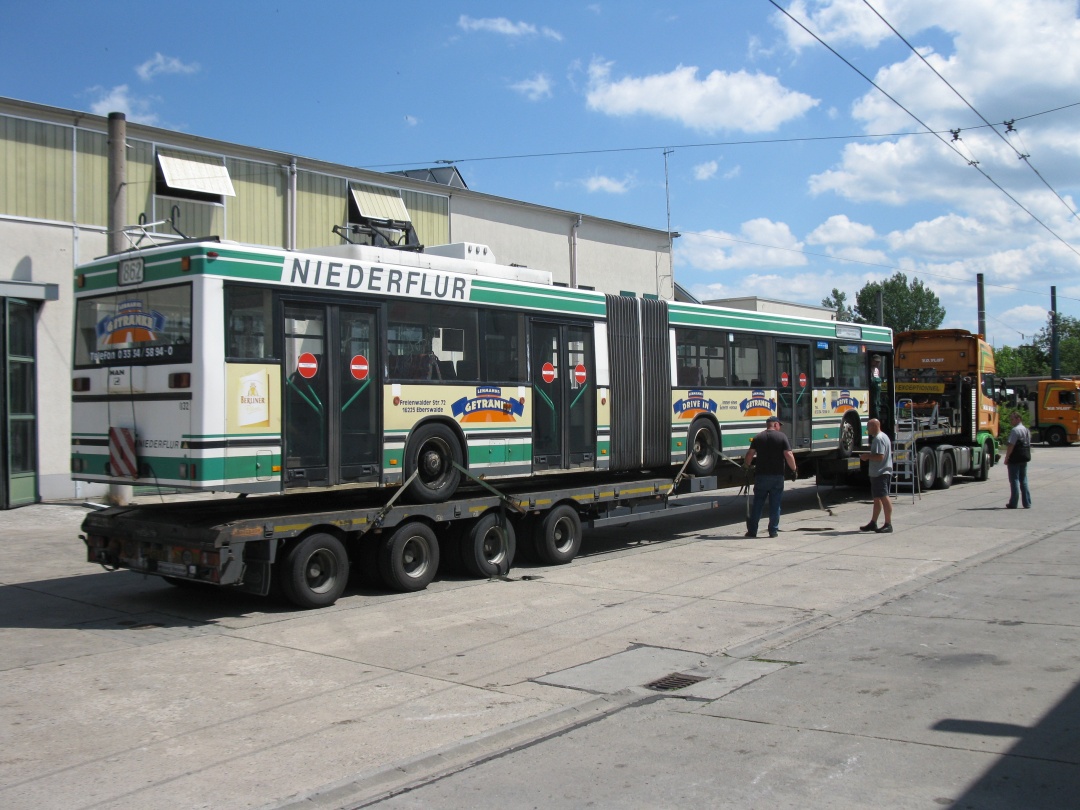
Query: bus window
point(824, 365)
point(248, 314)
point(432, 342)
point(852, 366)
point(503, 355)
point(144, 326)
point(702, 357)
point(748, 363)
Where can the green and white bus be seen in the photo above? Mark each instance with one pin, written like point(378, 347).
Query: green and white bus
point(211, 365)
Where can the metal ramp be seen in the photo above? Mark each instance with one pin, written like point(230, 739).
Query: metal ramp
point(906, 476)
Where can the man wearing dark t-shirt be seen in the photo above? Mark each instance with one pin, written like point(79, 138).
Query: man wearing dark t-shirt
point(772, 450)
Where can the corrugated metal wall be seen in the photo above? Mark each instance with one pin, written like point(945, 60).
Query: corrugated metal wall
point(36, 163)
point(430, 216)
point(321, 202)
point(258, 212)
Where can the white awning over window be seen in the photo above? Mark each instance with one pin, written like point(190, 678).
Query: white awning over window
point(376, 202)
point(191, 172)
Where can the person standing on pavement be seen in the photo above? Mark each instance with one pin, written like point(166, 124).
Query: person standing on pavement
point(772, 450)
point(1017, 456)
point(880, 470)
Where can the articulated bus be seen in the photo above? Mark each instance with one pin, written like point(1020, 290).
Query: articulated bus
point(210, 365)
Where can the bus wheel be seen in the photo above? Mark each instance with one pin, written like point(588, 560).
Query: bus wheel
point(409, 558)
point(982, 472)
point(927, 469)
point(847, 439)
point(704, 447)
point(487, 548)
point(314, 571)
point(433, 450)
point(558, 535)
point(1055, 437)
point(948, 471)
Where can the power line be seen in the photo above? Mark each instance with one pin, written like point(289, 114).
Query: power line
point(973, 163)
point(1008, 124)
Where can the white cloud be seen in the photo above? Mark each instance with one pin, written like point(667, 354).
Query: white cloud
point(706, 170)
point(160, 63)
point(839, 230)
point(760, 243)
point(534, 89)
point(411, 120)
point(609, 185)
point(504, 27)
point(119, 99)
point(719, 101)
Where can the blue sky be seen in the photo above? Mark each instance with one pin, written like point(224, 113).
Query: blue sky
point(788, 173)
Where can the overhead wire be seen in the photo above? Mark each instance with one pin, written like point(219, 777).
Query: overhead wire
point(973, 163)
point(1008, 124)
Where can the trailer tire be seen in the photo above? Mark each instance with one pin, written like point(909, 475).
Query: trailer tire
point(488, 548)
point(927, 469)
point(948, 471)
point(314, 571)
point(1055, 436)
point(558, 535)
point(704, 447)
point(433, 450)
point(409, 558)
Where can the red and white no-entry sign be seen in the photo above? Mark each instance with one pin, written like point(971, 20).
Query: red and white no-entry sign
point(359, 367)
point(784, 379)
point(307, 365)
point(547, 372)
point(579, 373)
point(802, 380)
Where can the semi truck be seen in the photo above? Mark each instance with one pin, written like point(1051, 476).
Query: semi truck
point(1052, 406)
point(946, 402)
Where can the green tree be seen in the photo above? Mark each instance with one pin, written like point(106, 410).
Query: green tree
point(838, 302)
point(1022, 361)
point(1068, 344)
point(906, 305)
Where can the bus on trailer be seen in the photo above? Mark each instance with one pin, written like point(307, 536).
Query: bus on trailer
point(210, 365)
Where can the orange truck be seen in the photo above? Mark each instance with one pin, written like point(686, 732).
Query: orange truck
point(1053, 406)
point(946, 397)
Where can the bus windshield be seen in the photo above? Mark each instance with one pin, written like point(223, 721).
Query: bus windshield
point(143, 326)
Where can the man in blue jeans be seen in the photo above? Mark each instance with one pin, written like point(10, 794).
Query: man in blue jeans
point(772, 450)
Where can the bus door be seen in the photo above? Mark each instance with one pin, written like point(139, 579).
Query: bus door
point(795, 392)
point(563, 373)
point(331, 407)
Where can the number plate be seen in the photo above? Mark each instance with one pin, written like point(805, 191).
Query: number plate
point(129, 271)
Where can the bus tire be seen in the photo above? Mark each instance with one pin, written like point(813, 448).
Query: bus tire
point(847, 439)
point(488, 548)
point(433, 449)
point(927, 469)
point(314, 571)
point(409, 558)
point(704, 447)
point(1055, 436)
point(558, 535)
point(948, 471)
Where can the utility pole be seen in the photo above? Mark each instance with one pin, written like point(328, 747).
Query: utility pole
point(119, 494)
point(1055, 364)
point(982, 305)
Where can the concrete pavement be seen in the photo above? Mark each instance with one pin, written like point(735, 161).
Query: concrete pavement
point(831, 668)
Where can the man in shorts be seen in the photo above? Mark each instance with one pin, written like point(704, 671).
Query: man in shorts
point(880, 469)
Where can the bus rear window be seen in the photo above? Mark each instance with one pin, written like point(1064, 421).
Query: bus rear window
point(145, 326)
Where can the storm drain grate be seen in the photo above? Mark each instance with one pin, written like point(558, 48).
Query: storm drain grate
point(674, 681)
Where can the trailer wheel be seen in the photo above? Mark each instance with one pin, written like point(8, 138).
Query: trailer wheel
point(558, 535)
point(1055, 436)
point(927, 469)
point(488, 548)
point(948, 471)
point(314, 571)
point(433, 450)
point(409, 558)
point(704, 447)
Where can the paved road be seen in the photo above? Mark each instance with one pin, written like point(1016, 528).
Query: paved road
point(830, 668)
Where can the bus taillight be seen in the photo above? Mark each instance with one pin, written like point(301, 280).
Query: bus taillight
point(181, 379)
point(80, 384)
